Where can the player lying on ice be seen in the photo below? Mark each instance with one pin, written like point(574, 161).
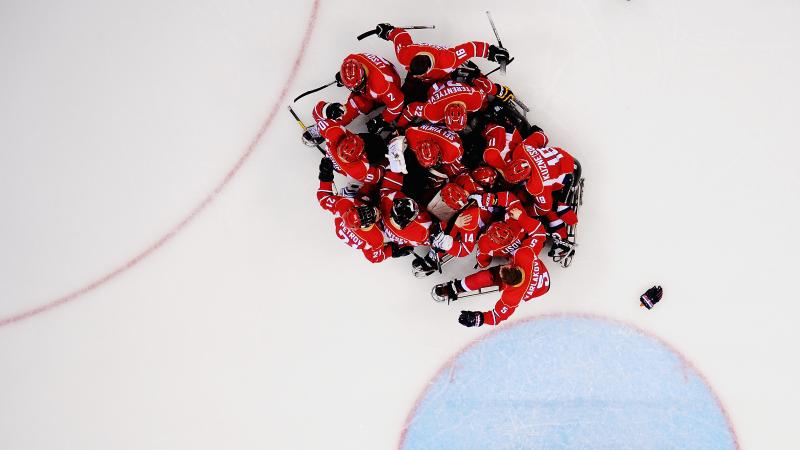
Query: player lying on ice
point(523, 279)
point(426, 63)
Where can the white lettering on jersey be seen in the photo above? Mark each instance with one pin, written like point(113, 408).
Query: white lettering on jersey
point(539, 161)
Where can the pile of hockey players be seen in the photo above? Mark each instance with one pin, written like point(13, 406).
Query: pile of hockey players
point(449, 164)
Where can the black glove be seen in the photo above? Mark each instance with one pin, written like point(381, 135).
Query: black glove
point(333, 111)
point(377, 124)
point(651, 297)
point(435, 228)
point(503, 94)
point(498, 54)
point(471, 318)
point(326, 169)
point(466, 73)
point(424, 264)
point(383, 30)
point(399, 252)
point(338, 77)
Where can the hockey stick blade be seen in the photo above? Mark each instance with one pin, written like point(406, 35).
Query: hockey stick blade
point(312, 91)
point(498, 67)
point(369, 33)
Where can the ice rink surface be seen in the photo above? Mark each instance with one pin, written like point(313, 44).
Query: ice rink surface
point(169, 282)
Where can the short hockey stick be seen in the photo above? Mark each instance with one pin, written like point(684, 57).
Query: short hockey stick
point(369, 33)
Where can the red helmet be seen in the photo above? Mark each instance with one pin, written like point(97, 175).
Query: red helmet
point(484, 175)
point(518, 171)
point(360, 217)
point(353, 75)
point(428, 153)
point(350, 148)
point(501, 234)
point(455, 116)
point(454, 196)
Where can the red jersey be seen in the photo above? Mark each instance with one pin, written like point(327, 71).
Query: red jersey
point(415, 233)
point(535, 282)
point(500, 143)
point(449, 141)
point(466, 181)
point(464, 232)
point(445, 60)
point(443, 94)
point(369, 241)
point(549, 167)
point(333, 132)
point(524, 229)
point(383, 88)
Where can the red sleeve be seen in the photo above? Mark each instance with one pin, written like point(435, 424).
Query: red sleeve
point(465, 181)
point(504, 307)
point(452, 151)
point(467, 50)
point(495, 145)
point(373, 175)
point(401, 40)
point(376, 255)
point(507, 200)
point(392, 182)
point(485, 85)
point(325, 196)
point(331, 130)
point(356, 104)
point(530, 225)
point(465, 236)
point(543, 202)
point(483, 258)
point(393, 99)
point(537, 140)
point(318, 112)
point(414, 109)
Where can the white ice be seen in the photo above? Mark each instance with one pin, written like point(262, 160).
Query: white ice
point(254, 327)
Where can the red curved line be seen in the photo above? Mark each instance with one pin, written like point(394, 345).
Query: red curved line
point(198, 208)
point(506, 327)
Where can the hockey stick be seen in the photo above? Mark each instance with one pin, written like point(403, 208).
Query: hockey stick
point(459, 296)
point(369, 33)
point(481, 291)
point(303, 126)
point(516, 101)
point(312, 91)
point(503, 64)
point(498, 68)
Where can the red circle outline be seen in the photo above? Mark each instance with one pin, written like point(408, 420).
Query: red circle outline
point(200, 207)
point(508, 326)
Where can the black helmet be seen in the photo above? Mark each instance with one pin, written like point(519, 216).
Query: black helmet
point(404, 211)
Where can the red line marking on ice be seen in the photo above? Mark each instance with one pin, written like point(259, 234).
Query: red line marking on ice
point(277, 106)
point(450, 363)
